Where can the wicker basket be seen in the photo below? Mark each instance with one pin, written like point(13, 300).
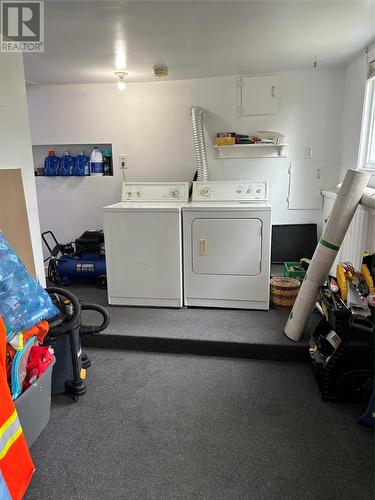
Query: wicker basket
point(284, 292)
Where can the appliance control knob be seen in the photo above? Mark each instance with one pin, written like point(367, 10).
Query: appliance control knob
point(174, 193)
point(205, 191)
point(249, 190)
point(258, 191)
point(239, 191)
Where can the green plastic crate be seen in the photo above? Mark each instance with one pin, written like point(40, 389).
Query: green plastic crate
point(289, 272)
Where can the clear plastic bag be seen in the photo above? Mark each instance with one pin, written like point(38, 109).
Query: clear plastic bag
point(23, 302)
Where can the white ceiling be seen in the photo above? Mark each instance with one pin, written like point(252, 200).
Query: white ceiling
point(196, 39)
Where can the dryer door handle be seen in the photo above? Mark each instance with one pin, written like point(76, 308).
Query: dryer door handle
point(203, 247)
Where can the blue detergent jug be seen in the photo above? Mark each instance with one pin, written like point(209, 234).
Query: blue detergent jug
point(51, 164)
point(66, 165)
point(82, 164)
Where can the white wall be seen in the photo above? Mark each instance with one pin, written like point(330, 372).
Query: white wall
point(151, 122)
point(15, 142)
point(355, 83)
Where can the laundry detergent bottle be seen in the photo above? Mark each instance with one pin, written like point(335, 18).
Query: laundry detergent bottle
point(107, 162)
point(82, 164)
point(96, 162)
point(51, 164)
point(66, 164)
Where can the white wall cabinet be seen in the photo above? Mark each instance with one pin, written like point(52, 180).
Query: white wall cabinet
point(259, 95)
point(305, 185)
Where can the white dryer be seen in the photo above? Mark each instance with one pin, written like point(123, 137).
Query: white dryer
point(143, 241)
point(227, 245)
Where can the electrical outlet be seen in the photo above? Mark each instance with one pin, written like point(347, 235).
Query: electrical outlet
point(308, 152)
point(123, 161)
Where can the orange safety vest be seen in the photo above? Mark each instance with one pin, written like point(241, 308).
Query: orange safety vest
point(16, 465)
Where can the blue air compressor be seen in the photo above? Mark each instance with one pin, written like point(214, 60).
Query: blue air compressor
point(79, 260)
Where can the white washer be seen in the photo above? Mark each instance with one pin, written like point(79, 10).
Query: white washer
point(227, 245)
point(143, 241)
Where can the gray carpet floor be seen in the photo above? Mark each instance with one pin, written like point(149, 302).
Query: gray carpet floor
point(250, 326)
point(169, 427)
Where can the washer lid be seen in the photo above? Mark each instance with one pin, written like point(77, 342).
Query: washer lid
point(124, 206)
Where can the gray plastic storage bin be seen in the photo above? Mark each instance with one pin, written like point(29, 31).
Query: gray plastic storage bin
point(34, 405)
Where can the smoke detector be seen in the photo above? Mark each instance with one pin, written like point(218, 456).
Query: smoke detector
point(160, 71)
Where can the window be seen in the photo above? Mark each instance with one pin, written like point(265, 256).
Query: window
point(367, 144)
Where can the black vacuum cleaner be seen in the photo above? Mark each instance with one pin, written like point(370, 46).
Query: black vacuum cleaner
point(65, 331)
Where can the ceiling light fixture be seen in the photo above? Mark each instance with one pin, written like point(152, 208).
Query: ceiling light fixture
point(121, 85)
point(160, 71)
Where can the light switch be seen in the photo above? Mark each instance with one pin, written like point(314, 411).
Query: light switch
point(308, 152)
point(123, 163)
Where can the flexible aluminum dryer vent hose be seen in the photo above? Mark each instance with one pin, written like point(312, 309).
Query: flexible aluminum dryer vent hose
point(197, 115)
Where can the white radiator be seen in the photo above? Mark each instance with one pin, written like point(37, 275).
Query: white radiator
point(360, 236)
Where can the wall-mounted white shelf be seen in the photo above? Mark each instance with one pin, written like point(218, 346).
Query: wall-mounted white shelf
point(260, 150)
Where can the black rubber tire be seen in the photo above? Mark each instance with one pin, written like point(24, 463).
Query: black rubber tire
point(102, 281)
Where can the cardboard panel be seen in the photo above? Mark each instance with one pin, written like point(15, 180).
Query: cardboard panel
point(14, 222)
